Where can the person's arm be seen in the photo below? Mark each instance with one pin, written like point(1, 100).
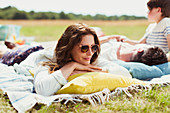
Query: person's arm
point(48, 84)
point(134, 42)
point(168, 40)
point(71, 66)
point(168, 56)
point(104, 41)
point(108, 39)
point(142, 40)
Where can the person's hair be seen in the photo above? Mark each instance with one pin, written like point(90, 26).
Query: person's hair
point(70, 38)
point(163, 4)
point(151, 56)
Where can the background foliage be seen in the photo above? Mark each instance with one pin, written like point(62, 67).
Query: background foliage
point(14, 14)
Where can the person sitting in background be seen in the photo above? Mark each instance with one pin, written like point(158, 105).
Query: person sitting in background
point(157, 34)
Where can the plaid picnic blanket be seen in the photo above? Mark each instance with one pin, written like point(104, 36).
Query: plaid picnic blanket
point(20, 90)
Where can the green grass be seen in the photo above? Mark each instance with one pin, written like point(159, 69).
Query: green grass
point(5, 106)
point(49, 33)
point(52, 31)
point(156, 101)
point(132, 32)
point(43, 33)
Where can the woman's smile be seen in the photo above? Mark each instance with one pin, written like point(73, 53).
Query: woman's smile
point(88, 59)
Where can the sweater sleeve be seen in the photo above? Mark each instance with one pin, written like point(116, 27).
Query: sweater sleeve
point(47, 84)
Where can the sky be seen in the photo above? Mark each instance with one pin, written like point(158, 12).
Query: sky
point(92, 7)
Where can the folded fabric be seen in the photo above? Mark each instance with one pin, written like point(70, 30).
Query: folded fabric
point(91, 82)
point(145, 72)
point(165, 68)
point(19, 54)
point(163, 79)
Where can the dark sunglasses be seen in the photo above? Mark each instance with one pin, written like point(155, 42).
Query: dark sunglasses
point(85, 48)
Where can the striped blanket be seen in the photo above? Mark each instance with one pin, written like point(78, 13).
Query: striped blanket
point(20, 90)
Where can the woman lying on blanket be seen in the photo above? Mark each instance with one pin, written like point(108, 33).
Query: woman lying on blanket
point(76, 51)
point(149, 55)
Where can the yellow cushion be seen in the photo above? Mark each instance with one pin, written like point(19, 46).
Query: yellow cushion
point(91, 82)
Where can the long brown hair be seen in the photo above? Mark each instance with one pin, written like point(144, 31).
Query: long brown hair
point(71, 37)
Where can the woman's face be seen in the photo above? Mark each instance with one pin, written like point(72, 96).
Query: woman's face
point(83, 57)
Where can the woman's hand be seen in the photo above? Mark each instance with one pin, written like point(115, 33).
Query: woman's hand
point(77, 72)
point(89, 67)
point(70, 67)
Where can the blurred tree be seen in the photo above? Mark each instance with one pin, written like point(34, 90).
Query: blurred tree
point(100, 17)
point(113, 18)
point(63, 15)
point(87, 17)
point(20, 15)
point(13, 13)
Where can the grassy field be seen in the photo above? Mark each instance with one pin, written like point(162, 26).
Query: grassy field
point(156, 101)
point(47, 30)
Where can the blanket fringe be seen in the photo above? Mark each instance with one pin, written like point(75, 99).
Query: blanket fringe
point(105, 95)
point(96, 98)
